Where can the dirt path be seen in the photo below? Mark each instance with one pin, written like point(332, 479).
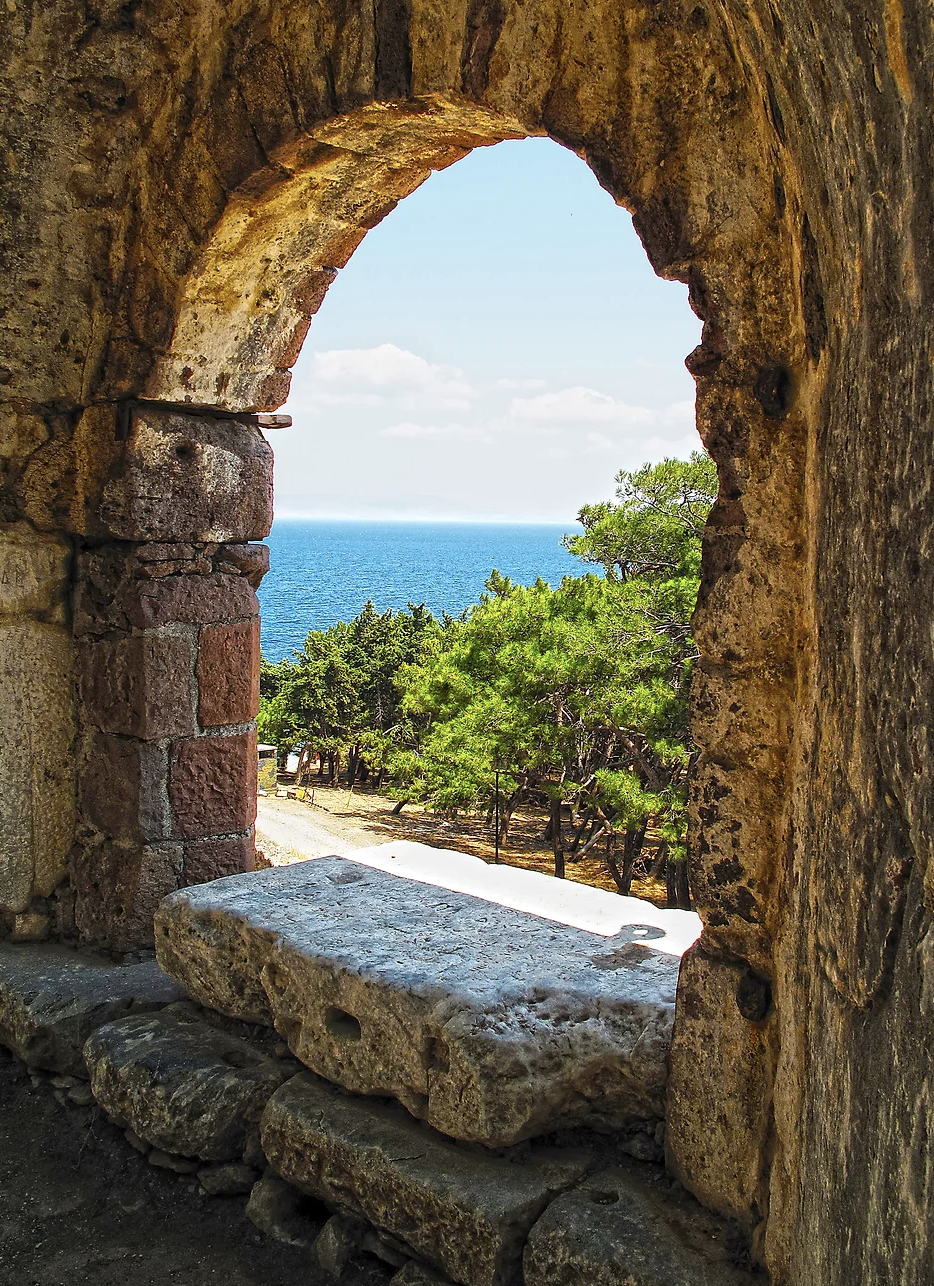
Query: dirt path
point(287, 829)
point(78, 1207)
point(340, 820)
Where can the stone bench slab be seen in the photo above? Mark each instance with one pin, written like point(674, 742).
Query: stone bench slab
point(491, 1023)
point(458, 1208)
point(52, 998)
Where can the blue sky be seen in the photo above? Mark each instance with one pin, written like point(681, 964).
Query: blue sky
point(497, 348)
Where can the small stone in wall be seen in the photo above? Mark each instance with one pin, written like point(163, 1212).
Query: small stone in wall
point(413, 1274)
point(231, 1180)
point(337, 1243)
point(30, 927)
point(169, 1161)
point(276, 1209)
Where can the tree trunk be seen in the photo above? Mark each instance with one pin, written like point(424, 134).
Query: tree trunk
point(505, 816)
point(399, 807)
point(679, 888)
point(632, 847)
point(589, 817)
point(557, 846)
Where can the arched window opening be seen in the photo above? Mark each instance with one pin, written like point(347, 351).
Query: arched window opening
point(495, 352)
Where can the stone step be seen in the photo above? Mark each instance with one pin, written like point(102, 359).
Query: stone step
point(491, 1023)
point(613, 1230)
point(52, 998)
point(182, 1083)
point(458, 1208)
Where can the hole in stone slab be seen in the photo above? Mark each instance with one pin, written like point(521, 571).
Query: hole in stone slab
point(436, 1056)
point(341, 1025)
point(601, 1198)
point(184, 450)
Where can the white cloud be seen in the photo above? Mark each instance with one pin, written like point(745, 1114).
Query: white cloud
point(437, 432)
point(580, 405)
point(680, 415)
point(372, 375)
point(520, 384)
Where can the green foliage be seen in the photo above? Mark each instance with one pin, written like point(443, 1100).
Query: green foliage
point(578, 695)
point(654, 532)
point(339, 693)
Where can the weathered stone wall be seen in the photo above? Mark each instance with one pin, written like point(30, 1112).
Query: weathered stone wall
point(37, 789)
point(184, 180)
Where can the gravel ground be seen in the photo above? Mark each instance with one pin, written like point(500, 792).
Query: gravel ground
point(78, 1207)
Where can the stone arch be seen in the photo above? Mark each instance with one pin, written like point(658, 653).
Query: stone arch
point(773, 160)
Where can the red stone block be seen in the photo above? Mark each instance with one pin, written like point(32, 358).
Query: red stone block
point(212, 785)
point(250, 561)
point(138, 687)
point(189, 600)
point(212, 859)
point(228, 673)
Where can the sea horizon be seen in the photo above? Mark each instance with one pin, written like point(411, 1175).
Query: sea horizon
point(324, 570)
point(463, 522)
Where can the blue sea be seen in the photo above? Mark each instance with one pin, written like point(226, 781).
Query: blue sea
point(322, 571)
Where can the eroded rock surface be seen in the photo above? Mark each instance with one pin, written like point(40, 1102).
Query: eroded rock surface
point(52, 998)
point(459, 1209)
point(492, 1024)
point(181, 1083)
point(612, 1231)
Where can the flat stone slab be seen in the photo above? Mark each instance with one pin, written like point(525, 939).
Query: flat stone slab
point(493, 1024)
point(459, 1209)
point(182, 1084)
point(52, 998)
point(614, 1231)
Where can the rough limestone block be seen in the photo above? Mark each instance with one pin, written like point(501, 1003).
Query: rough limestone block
point(492, 1024)
point(122, 788)
point(37, 729)
point(276, 1209)
point(188, 600)
point(137, 687)
point(181, 1083)
point(460, 1209)
point(52, 998)
point(33, 571)
point(213, 859)
point(189, 478)
point(615, 1231)
point(118, 887)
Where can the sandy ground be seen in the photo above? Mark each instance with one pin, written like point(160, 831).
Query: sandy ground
point(339, 820)
point(78, 1207)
